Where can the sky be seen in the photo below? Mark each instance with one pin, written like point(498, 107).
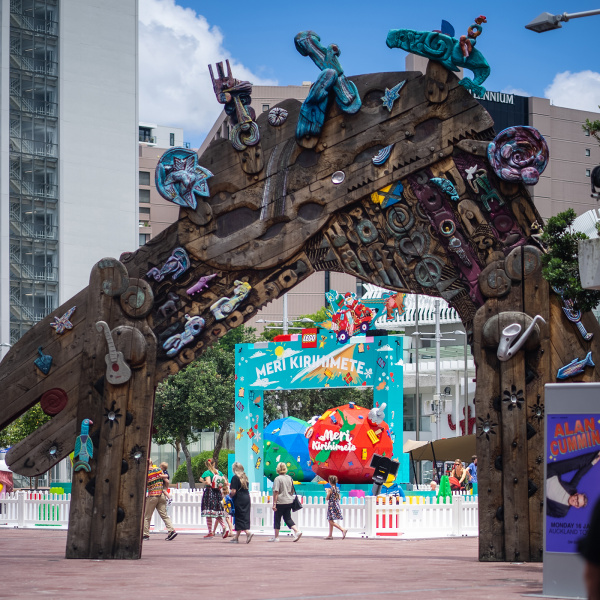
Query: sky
point(178, 39)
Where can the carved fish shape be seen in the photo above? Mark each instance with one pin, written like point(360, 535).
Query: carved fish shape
point(575, 367)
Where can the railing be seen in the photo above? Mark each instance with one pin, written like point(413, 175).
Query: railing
point(415, 517)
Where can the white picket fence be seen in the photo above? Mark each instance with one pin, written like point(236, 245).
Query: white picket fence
point(415, 517)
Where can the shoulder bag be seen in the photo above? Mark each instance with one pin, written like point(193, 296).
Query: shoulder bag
point(296, 504)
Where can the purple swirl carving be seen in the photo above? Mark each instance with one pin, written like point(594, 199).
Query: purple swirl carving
point(519, 154)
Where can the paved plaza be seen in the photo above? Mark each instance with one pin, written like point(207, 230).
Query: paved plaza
point(192, 567)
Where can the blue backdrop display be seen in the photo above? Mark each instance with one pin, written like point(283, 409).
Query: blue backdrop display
point(285, 442)
point(314, 359)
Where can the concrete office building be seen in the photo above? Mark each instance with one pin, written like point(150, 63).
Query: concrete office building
point(68, 155)
point(155, 213)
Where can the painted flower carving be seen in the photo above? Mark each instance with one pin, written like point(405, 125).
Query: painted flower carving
point(519, 154)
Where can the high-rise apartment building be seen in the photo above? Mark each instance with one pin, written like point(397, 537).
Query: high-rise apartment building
point(68, 149)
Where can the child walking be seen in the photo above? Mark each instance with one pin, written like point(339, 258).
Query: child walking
point(229, 510)
point(334, 511)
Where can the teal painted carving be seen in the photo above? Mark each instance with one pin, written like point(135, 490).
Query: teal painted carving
point(450, 52)
point(331, 81)
point(446, 186)
point(43, 362)
point(84, 448)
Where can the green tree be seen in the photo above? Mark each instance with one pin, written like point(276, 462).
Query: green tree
point(26, 424)
point(318, 317)
point(593, 128)
point(202, 396)
point(560, 263)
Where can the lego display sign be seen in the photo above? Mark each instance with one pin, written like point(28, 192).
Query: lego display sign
point(309, 338)
point(303, 363)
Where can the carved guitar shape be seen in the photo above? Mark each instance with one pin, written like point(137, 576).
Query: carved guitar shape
point(117, 370)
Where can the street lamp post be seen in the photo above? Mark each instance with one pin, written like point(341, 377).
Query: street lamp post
point(548, 22)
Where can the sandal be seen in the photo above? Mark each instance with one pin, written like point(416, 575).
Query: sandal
point(327, 538)
point(344, 533)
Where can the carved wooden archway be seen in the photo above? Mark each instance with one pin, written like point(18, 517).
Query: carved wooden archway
point(428, 216)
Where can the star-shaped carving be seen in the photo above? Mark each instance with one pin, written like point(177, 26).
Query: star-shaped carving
point(61, 324)
point(513, 398)
point(486, 427)
point(392, 95)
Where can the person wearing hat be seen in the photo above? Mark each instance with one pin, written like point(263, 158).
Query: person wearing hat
point(589, 548)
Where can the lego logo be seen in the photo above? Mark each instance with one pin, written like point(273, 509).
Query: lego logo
point(311, 337)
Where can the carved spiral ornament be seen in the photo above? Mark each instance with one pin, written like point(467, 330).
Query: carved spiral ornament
point(519, 154)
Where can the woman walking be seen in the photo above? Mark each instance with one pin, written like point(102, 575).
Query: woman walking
point(334, 510)
point(283, 497)
point(211, 506)
point(241, 503)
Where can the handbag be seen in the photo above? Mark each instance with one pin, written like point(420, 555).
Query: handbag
point(296, 504)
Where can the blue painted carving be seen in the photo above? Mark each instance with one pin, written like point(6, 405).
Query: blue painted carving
point(519, 154)
point(43, 362)
point(176, 342)
point(381, 157)
point(575, 367)
point(446, 186)
point(331, 82)
point(573, 315)
point(225, 306)
point(390, 96)
point(84, 448)
point(236, 96)
point(179, 177)
point(177, 264)
point(446, 50)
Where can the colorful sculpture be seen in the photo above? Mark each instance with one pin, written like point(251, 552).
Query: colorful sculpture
point(519, 154)
point(170, 306)
point(235, 95)
point(343, 441)
point(509, 345)
point(284, 441)
point(381, 157)
point(62, 324)
point(84, 448)
point(331, 81)
point(573, 315)
point(348, 315)
point(177, 264)
point(117, 370)
point(201, 284)
point(179, 177)
point(575, 367)
point(225, 306)
point(446, 50)
point(390, 96)
point(193, 327)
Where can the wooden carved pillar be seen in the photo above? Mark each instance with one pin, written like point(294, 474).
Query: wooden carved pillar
point(107, 501)
point(509, 391)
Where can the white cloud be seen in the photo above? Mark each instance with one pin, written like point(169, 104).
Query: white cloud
point(262, 382)
point(516, 91)
point(386, 348)
point(289, 352)
point(258, 354)
point(575, 90)
point(176, 45)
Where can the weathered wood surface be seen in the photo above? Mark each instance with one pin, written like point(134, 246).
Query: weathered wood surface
point(274, 217)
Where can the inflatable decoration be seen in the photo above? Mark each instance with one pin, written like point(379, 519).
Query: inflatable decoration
point(285, 442)
point(343, 441)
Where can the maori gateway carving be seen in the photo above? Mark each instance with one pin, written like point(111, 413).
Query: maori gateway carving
point(429, 215)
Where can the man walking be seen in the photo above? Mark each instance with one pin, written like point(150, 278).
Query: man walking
point(156, 499)
point(472, 468)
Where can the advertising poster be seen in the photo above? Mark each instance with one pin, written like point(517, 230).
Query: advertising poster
point(572, 478)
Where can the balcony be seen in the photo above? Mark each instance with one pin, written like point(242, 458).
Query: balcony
point(147, 139)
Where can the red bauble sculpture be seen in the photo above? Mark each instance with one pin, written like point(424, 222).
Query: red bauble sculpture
point(343, 441)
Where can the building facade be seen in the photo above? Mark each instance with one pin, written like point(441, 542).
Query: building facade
point(68, 155)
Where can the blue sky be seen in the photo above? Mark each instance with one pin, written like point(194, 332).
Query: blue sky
point(178, 38)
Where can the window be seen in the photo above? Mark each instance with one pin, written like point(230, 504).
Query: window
point(144, 212)
point(265, 107)
point(588, 172)
point(171, 139)
point(144, 237)
point(144, 195)
point(144, 177)
point(410, 414)
point(587, 151)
